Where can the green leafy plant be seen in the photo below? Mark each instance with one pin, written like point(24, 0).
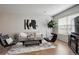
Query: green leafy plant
point(52, 24)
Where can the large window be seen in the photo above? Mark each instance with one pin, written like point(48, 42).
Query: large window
point(62, 26)
point(66, 24)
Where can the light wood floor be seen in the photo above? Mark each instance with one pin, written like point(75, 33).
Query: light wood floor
point(61, 49)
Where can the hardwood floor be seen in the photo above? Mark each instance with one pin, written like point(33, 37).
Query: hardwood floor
point(61, 49)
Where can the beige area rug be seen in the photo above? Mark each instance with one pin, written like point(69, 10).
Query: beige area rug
point(19, 48)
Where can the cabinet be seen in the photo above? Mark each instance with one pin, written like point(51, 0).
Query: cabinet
point(73, 42)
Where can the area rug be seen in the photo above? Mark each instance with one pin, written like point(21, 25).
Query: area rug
point(19, 48)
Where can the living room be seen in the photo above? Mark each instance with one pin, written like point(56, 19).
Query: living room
point(25, 29)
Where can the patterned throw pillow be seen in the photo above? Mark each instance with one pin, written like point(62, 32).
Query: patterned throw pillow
point(3, 40)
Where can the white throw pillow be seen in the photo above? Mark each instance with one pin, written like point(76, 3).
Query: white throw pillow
point(23, 35)
point(9, 40)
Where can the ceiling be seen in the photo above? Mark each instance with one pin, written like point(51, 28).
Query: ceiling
point(34, 9)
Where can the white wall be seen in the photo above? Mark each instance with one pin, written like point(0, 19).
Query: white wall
point(10, 23)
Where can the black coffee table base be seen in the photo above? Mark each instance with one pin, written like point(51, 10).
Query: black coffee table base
point(31, 42)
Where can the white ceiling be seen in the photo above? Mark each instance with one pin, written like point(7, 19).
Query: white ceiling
point(34, 9)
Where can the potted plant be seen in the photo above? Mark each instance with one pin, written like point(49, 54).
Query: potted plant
point(52, 24)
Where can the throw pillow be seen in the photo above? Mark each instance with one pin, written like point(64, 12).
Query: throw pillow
point(23, 35)
point(3, 39)
point(9, 40)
